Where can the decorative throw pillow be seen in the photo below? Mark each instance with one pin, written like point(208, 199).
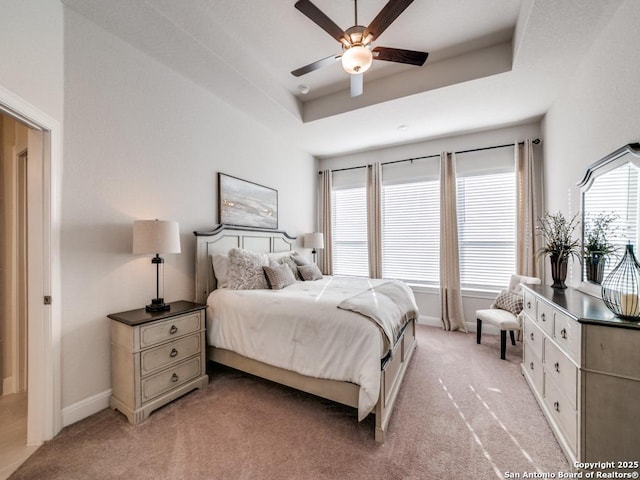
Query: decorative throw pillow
point(310, 272)
point(508, 301)
point(245, 270)
point(300, 260)
point(279, 276)
point(288, 261)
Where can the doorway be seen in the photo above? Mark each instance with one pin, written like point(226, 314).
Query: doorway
point(36, 358)
point(14, 138)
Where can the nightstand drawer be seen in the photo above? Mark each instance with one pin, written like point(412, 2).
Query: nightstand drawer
point(170, 329)
point(165, 355)
point(562, 370)
point(169, 379)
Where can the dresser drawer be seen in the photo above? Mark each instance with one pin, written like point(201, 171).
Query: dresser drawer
point(533, 367)
point(533, 336)
point(169, 329)
point(166, 380)
point(562, 412)
point(562, 370)
point(168, 354)
point(529, 304)
point(545, 316)
point(567, 335)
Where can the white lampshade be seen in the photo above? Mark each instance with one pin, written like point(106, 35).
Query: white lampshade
point(313, 240)
point(357, 59)
point(155, 236)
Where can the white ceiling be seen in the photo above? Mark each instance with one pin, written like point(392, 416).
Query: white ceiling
point(491, 62)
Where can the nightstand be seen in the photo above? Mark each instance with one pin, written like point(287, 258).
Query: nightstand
point(156, 357)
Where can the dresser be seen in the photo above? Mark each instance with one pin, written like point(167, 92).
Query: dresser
point(156, 357)
point(583, 366)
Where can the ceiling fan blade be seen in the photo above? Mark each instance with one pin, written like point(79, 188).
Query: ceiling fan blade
point(320, 19)
point(357, 84)
point(398, 55)
point(316, 65)
point(387, 15)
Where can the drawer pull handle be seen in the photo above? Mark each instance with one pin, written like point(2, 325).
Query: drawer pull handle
point(528, 304)
point(556, 406)
point(542, 317)
point(174, 377)
point(173, 329)
point(174, 353)
point(563, 333)
point(557, 367)
point(531, 335)
point(531, 365)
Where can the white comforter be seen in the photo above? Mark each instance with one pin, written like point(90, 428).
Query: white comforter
point(299, 328)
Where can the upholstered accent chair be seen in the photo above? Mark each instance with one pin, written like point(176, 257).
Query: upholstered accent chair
point(506, 312)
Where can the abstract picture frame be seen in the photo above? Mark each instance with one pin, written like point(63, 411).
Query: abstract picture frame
point(246, 204)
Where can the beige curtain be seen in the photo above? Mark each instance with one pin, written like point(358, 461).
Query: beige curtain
point(529, 208)
point(450, 293)
point(324, 200)
point(374, 219)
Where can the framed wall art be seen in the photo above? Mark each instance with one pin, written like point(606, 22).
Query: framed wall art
point(246, 204)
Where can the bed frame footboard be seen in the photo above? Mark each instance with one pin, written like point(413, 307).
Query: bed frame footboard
point(345, 393)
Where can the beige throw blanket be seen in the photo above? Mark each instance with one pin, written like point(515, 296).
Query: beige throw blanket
point(391, 305)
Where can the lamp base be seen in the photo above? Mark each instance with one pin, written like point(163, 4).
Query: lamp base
point(158, 305)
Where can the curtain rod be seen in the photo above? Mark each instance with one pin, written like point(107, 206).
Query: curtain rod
point(535, 142)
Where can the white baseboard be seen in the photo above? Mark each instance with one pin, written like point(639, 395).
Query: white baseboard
point(471, 326)
point(85, 408)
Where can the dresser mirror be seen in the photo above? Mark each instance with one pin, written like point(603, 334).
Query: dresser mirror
point(610, 204)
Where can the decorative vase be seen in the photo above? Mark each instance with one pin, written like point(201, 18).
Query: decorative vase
point(595, 267)
point(558, 270)
point(621, 288)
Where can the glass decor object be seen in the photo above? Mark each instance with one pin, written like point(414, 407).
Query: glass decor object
point(620, 289)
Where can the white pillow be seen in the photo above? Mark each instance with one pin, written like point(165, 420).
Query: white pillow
point(245, 270)
point(220, 265)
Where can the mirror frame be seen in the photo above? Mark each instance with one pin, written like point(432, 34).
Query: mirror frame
point(612, 161)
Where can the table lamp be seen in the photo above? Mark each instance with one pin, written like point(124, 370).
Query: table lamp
point(156, 237)
point(313, 241)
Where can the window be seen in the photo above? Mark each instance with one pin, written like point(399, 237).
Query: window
point(349, 223)
point(411, 232)
point(486, 229)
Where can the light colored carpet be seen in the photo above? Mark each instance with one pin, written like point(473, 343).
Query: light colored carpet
point(462, 413)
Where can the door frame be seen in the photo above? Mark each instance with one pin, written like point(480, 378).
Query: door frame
point(44, 418)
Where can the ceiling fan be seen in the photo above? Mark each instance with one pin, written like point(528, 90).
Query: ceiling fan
point(357, 52)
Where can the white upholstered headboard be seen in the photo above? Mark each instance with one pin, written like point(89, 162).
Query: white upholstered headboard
point(222, 239)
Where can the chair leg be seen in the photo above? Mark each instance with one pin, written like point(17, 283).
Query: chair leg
point(513, 337)
point(503, 343)
point(478, 330)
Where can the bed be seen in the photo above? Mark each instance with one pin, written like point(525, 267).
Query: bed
point(369, 381)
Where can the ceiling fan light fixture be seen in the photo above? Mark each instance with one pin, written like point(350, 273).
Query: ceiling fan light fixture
point(357, 59)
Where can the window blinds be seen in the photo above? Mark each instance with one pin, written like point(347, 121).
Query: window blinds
point(486, 229)
point(349, 223)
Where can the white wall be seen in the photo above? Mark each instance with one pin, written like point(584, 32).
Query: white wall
point(428, 298)
point(31, 50)
point(143, 142)
point(598, 112)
